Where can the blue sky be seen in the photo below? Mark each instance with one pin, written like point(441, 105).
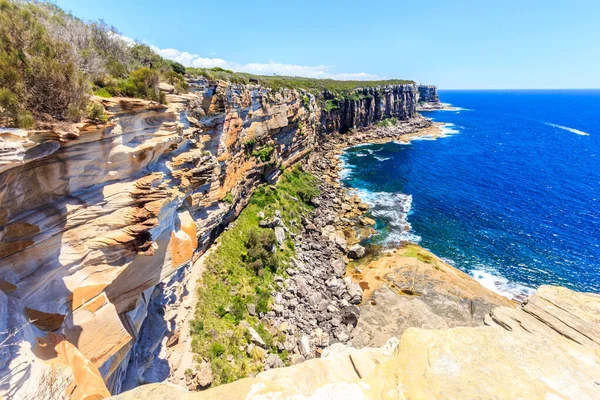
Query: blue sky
point(457, 44)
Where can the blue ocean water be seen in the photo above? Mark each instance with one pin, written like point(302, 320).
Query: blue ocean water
point(510, 195)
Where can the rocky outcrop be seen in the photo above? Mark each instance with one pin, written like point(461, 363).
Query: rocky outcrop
point(94, 217)
point(410, 287)
point(428, 98)
point(506, 360)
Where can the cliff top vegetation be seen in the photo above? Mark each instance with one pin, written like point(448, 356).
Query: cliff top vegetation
point(51, 62)
point(277, 82)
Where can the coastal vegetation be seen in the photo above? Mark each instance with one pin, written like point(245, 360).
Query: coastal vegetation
point(241, 273)
point(52, 62)
point(277, 82)
point(387, 122)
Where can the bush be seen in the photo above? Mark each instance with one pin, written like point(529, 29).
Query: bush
point(37, 70)
point(331, 105)
point(181, 86)
point(177, 67)
point(102, 92)
point(306, 101)
point(387, 122)
point(142, 83)
point(228, 198)
point(97, 113)
point(264, 154)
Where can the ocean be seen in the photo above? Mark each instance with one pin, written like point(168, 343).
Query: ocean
point(510, 194)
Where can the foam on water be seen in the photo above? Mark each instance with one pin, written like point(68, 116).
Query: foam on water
point(495, 282)
point(566, 128)
point(378, 158)
point(393, 209)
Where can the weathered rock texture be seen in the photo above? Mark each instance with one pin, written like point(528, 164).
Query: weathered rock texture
point(370, 105)
point(410, 287)
point(94, 217)
point(428, 98)
point(545, 349)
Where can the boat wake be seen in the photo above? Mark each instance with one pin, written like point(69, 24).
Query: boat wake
point(566, 128)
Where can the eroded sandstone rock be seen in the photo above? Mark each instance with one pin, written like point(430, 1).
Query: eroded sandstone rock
point(486, 362)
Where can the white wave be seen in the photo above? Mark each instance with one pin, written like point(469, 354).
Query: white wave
point(361, 154)
point(379, 158)
point(566, 128)
point(448, 129)
point(422, 138)
point(393, 208)
point(346, 168)
point(450, 107)
point(493, 281)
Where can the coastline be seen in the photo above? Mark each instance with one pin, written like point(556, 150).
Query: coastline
point(489, 279)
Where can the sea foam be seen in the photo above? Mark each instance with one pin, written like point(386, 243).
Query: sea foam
point(495, 282)
point(393, 209)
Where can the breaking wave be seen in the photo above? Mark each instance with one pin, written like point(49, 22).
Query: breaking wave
point(392, 210)
point(495, 282)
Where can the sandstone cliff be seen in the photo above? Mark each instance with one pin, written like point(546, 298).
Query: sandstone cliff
point(93, 217)
point(428, 98)
point(547, 348)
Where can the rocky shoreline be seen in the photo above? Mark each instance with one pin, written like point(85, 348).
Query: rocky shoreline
point(318, 304)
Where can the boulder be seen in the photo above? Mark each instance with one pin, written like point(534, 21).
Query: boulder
point(356, 251)
point(304, 345)
point(279, 235)
point(254, 336)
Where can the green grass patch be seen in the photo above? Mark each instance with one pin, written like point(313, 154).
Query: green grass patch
point(241, 271)
point(228, 198)
point(387, 122)
point(418, 253)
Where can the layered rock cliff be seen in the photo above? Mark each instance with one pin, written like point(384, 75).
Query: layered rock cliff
point(94, 216)
point(428, 98)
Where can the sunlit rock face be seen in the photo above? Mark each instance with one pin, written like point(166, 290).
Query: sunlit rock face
point(93, 217)
point(547, 348)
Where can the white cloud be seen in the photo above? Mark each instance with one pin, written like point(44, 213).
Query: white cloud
point(270, 68)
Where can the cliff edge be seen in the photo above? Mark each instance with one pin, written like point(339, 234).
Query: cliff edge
point(548, 347)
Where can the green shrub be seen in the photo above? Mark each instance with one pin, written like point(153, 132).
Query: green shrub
point(39, 70)
point(177, 67)
point(306, 101)
point(142, 83)
point(228, 198)
point(331, 105)
point(96, 112)
point(102, 92)
point(264, 154)
point(387, 122)
point(216, 350)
